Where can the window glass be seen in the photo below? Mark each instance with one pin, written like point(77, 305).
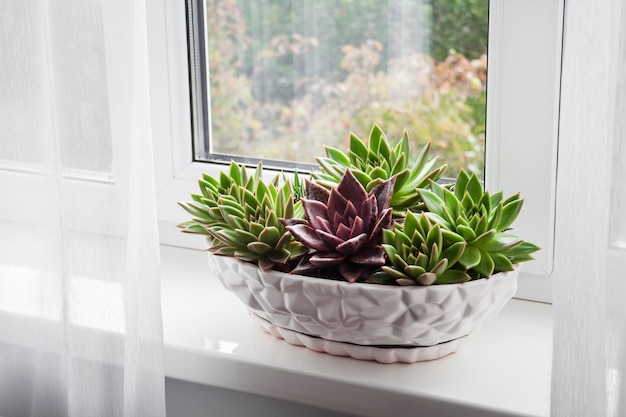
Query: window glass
point(44, 78)
point(289, 76)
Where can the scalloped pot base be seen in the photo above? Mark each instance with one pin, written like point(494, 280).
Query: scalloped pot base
point(365, 321)
point(382, 354)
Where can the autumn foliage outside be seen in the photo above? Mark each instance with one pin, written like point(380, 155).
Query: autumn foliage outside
point(283, 93)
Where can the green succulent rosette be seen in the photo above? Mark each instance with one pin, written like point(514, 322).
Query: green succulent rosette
point(466, 213)
point(377, 162)
point(239, 214)
point(419, 254)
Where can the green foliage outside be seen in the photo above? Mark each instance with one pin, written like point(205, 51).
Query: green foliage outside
point(285, 89)
point(461, 25)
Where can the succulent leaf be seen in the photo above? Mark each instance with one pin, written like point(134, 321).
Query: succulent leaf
point(501, 262)
point(192, 227)
point(308, 236)
point(259, 248)
point(270, 235)
point(316, 192)
point(521, 252)
point(453, 276)
point(510, 211)
point(427, 278)
point(337, 155)
point(358, 149)
point(470, 257)
point(373, 255)
point(352, 272)
point(486, 265)
point(324, 260)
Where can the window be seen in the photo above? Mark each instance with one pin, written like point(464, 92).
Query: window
point(278, 80)
point(73, 102)
point(521, 124)
point(84, 127)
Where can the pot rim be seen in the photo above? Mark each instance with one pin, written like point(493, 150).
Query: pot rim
point(375, 287)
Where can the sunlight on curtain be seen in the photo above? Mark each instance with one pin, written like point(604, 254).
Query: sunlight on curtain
point(80, 315)
point(589, 369)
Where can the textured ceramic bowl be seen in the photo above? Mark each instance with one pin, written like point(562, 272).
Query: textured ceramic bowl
point(366, 314)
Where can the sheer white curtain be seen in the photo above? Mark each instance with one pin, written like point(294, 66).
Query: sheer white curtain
point(80, 319)
point(589, 357)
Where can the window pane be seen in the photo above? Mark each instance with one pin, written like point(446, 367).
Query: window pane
point(45, 78)
point(289, 76)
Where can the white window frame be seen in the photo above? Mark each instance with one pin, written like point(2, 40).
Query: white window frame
point(525, 43)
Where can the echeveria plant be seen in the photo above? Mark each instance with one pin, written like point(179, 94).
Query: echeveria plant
point(369, 215)
point(379, 161)
point(239, 213)
point(471, 215)
point(420, 255)
point(343, 227)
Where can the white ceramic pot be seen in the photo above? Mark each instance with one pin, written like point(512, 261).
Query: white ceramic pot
point(370, 315)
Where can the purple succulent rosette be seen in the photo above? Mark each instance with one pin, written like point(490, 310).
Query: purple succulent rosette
point(343, 227)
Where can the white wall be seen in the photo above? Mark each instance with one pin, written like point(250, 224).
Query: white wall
point(186, 399)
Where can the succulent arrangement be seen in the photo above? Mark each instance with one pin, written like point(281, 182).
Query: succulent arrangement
point(371, 214)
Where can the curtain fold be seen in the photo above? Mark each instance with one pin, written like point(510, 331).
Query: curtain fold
point(80, 318)
point(589, 370)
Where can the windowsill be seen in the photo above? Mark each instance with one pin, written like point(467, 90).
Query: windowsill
point(501, 370)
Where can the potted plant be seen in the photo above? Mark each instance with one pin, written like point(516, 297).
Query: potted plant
point(370, 257)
